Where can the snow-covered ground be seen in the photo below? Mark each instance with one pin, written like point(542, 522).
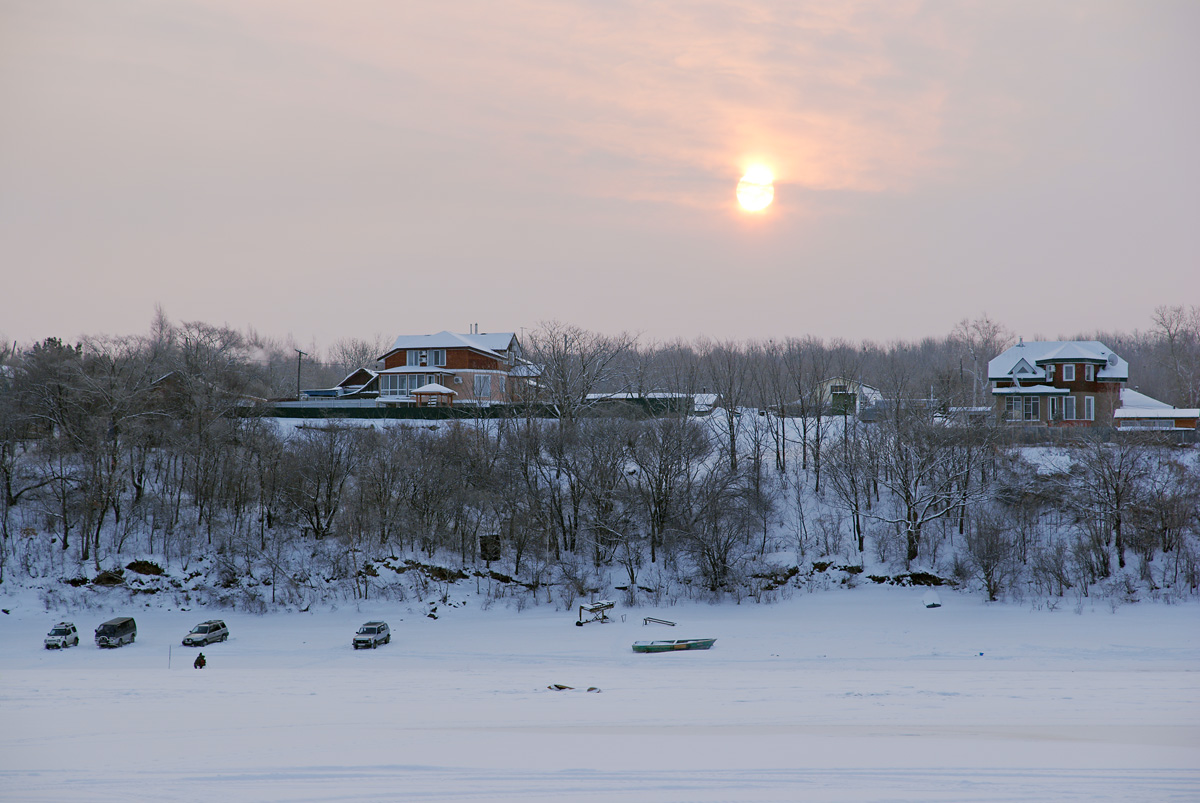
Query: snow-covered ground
point(836, 696)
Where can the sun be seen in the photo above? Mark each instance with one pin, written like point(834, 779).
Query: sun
point(756, 191)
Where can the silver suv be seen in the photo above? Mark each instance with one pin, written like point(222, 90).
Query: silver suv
point(206, 633)
point(62, 635)
point(372, 634)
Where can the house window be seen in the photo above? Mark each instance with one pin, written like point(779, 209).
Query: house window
point(1089, 408)
point(500, 384)
point(1069, 373)
point(1033, 408)
point(414, 357)
point(393, 384)
point(439, 357)
point(1068, 408)
point(483, 386)
point(1012, 408)
point(1089, 372)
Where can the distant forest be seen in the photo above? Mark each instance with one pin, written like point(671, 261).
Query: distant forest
point(148, 448)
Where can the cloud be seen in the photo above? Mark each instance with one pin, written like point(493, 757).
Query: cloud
point(676, 94)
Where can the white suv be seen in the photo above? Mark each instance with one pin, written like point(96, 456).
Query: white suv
point(62, 635)
point(206, 633)
point(372, 634)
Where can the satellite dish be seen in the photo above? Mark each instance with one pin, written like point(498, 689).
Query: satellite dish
point(1112, 360)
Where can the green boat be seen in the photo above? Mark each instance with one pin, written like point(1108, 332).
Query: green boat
point(673, 644)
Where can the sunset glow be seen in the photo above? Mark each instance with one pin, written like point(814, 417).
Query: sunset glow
point(756, 189)
point(272, 145)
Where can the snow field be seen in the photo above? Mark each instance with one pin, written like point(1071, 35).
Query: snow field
point(846, 696)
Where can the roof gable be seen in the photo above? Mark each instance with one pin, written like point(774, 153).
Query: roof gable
point(1024, 369)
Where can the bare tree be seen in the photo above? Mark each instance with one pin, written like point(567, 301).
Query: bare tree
point(575, 365)
point(351, 353)
point(981, 340)
point(319, 465)
point(991, 551)
point(1179, 329)
point(926, 469)
point(727, 370)
point(667, 452)
point(847, 473)
point(1106, 483)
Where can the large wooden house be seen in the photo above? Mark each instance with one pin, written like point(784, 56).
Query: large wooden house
point(1058, 383)
point(449, 368)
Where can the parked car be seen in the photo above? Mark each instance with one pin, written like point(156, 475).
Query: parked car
point(62, 635)
point(372, 634)
point(206, 633)
point(115, 632)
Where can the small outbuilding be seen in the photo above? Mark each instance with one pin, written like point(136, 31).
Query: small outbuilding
point(434, 395)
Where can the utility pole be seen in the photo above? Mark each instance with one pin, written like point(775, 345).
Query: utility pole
point(299, 355)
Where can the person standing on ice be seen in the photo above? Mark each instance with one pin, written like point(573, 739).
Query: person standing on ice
point(200, 662)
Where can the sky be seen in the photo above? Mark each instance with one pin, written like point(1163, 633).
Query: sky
point(323, 171)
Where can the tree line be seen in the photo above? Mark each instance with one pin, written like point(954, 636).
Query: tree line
point(119, 447)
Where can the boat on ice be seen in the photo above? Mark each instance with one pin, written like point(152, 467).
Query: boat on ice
point(671, 645)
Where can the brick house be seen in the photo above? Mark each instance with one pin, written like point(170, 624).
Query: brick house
point(1058, 383)
point(449, 368)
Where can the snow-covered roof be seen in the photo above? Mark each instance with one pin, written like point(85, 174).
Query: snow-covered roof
point(1156, 412)
point(1130, 398)
point(1028, 360)
point(526, 369)
point(1031, 390)
point(417, 369)
point(433, 388)
point(867, 392)
point(488, 342)
point(371, 374)
point(1139, 405)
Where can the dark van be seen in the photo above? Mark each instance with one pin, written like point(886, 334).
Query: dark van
point(115, 632)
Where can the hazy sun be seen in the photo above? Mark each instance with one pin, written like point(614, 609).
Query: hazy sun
point(755, 191)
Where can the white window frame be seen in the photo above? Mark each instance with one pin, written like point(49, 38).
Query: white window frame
point(394, 385)
point(483, 386)
point(1068, 374)
point(1012, 408)
point(1068, 408)
point(439, 358)
point(1089, 373)
point(413, 358)
point(1089, 408)
point(1031, 407)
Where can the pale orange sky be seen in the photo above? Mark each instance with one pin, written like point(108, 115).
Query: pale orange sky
point(330, 170)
